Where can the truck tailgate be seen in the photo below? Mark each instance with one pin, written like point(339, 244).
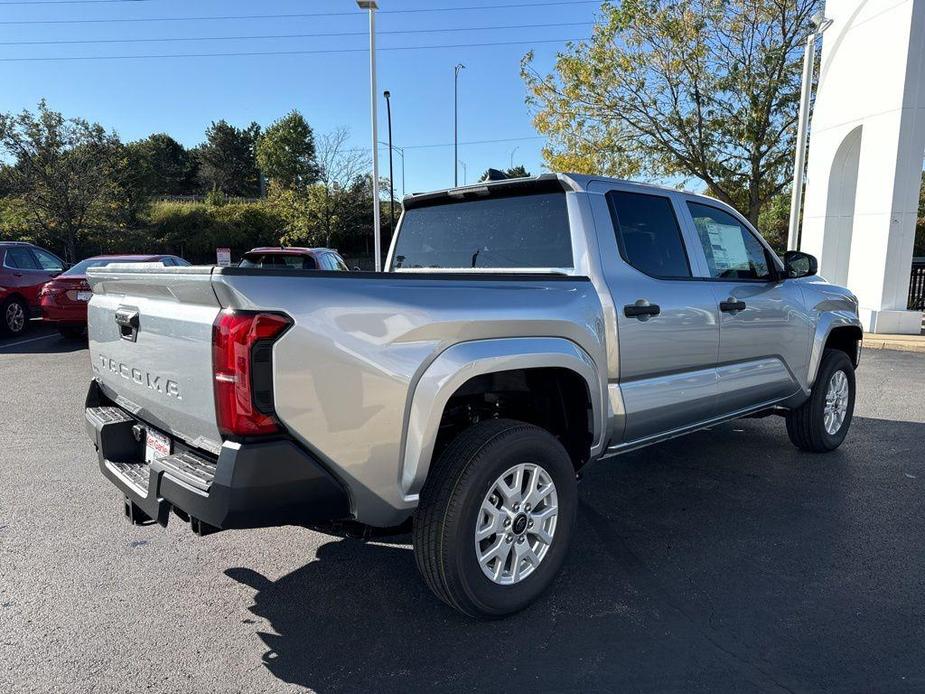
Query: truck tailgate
point(150, 336)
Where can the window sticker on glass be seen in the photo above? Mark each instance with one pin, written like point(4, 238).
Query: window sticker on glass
point(729, 252)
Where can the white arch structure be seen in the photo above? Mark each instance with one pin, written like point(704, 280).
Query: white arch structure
point(867, 142)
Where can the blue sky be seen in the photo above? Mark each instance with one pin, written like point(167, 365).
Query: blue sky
point(181, 96)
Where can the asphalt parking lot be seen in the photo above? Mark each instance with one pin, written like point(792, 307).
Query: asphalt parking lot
point(725, 561)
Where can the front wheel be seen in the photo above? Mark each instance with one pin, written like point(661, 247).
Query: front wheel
point(821, 423)
point(495, 518)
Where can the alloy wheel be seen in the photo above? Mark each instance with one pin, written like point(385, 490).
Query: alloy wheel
point(516, 524)
point(836, 403)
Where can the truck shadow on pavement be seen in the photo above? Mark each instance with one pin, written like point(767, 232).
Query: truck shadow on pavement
point(726, 561)
point(41, 340)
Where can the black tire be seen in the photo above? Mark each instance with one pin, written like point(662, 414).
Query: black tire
point(72, 332)
point(806, 424)
point(14, 317)
point(450, 502)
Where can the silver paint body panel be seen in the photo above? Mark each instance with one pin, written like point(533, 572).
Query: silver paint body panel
point(362, 376)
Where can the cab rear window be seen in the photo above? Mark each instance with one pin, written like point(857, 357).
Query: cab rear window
point(520, 231)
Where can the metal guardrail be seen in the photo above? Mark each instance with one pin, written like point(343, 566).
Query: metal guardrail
point(917, 285)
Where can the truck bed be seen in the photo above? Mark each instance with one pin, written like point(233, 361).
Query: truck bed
point(344, 373)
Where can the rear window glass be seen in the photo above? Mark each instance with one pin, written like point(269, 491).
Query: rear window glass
point(279, 261)
point(524, 231)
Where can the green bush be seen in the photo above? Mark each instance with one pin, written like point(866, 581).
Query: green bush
point(195, 229)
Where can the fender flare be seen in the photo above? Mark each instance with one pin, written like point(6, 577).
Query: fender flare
point(827, 323)
point(463, 361)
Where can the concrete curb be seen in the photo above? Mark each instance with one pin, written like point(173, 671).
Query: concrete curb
point(901, 343)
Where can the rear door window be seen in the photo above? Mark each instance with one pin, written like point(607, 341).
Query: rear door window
point(519, 231)
point(20, 258)
point(648, 234)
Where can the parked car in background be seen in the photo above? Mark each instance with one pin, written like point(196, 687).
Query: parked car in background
point(293, 258)
point(64, 299)
point(24, 269)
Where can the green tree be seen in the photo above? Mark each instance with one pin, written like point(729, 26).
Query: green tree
point(129, 188)
point(704, 89)
point(227, 159)
point(166, 165)
point(286, 152)
point(61, 170)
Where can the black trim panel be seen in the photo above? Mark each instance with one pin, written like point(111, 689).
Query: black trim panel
point(253, 484)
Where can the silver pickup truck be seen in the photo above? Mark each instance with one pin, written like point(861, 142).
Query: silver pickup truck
point(523, 330)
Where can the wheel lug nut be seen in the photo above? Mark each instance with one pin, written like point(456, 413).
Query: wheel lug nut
point(527, 508)
point(507, 522)
point(530, 523)
point(520, 540)
point(516, 507)
point(509, 538)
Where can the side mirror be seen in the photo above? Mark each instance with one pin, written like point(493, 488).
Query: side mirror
point(798, 264)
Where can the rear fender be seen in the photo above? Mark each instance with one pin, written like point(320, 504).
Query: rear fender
point(464, 361)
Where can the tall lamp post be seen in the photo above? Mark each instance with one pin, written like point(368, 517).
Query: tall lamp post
point(820, 24)
point(388, 106)
point(456, 70)
point(371, 6)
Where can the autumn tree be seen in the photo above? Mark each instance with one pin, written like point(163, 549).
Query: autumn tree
point(680, 89)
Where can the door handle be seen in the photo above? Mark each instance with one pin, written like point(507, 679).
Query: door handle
point(731, 304)
point(641, 310)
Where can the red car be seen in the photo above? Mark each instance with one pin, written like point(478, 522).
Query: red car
point(64, 299)
point(24, 269)
point(293, 258)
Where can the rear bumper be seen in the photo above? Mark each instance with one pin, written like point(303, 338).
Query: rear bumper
point(249, 485)
point(67, 314)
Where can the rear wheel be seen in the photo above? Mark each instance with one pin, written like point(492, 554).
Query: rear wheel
point(821, 423)
point(15, 316)
point(495, 518)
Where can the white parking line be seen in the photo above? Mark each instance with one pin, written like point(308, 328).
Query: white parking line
point(26, 342)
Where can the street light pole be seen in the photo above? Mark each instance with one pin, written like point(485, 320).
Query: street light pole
point(371, 6)
point(799, 164)
point(388, 105)
point(456, 70)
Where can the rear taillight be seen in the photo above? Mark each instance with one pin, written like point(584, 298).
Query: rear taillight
point(242, 359)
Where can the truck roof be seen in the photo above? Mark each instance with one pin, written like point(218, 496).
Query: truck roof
point(568, 181)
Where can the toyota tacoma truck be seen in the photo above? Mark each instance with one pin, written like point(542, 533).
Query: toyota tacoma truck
point(523, 329)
